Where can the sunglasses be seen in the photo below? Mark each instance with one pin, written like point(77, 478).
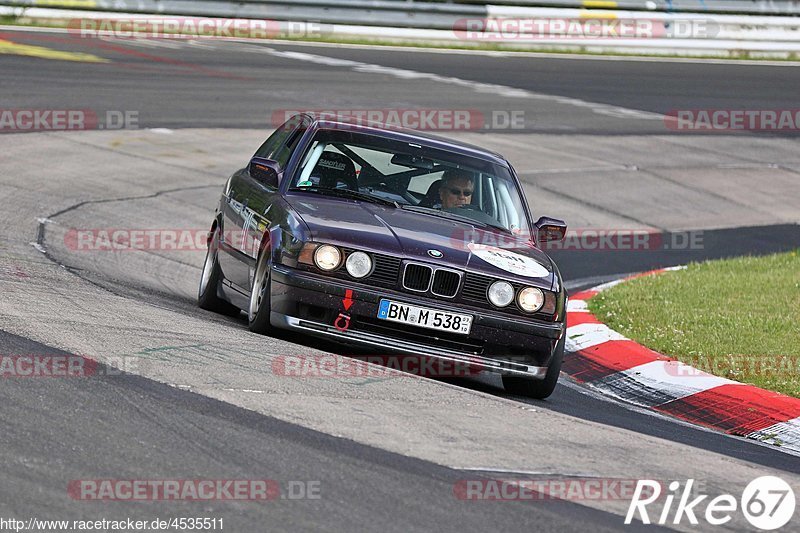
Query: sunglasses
point(459, 192)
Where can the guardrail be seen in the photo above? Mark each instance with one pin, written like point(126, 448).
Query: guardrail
point(755, 7)
point(391, 13)
point(477, 24)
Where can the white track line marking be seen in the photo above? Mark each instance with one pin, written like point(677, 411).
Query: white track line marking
point(785, 434)
point(585, 336)
point(674, 378)
point(604, 286)
point(485, 88)
point(577, 306)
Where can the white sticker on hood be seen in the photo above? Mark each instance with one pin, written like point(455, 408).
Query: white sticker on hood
point(509, 261)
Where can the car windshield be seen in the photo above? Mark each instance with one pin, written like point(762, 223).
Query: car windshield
point(411, 176)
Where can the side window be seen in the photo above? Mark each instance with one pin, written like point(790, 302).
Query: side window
point(274, 141)
point(274, 147)
point(284, 151)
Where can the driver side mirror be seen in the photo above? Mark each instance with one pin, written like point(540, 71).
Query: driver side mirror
point(551, 229)
point(264, 171)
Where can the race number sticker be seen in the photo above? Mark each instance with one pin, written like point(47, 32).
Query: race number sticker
point(509, 261)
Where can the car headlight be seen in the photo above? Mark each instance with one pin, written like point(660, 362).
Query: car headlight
point(530, 299)
point(327, 257)
point(358, 264)
point(501, 293)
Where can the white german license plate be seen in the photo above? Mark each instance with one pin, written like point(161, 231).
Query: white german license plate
point(424, 317)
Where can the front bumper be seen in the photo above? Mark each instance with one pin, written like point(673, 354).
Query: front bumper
point(312, 303)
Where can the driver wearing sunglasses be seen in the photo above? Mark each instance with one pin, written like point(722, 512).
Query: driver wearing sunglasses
point(456, 189)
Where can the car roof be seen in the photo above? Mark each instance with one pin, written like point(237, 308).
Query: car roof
point(409, 135)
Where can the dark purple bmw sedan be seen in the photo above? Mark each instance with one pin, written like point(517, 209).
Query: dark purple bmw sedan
point(394, 241)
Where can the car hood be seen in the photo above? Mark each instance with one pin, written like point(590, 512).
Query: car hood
point(410, 234)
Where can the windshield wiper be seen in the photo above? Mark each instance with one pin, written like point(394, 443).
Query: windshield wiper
point(347, 193)
point(501, 228)
point(455, 216)
point(444, 214)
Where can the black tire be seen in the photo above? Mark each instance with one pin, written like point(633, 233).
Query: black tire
point(260, 305)
point(207, 297)
point(538, 388)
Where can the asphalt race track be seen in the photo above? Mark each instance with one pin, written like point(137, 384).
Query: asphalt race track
point(198, 398)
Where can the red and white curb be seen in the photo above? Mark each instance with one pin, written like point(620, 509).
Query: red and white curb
point(619, 367)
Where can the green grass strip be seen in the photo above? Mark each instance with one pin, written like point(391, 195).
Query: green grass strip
point(735, 318)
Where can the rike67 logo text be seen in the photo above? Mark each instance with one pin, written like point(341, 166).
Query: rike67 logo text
point(768, 503)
